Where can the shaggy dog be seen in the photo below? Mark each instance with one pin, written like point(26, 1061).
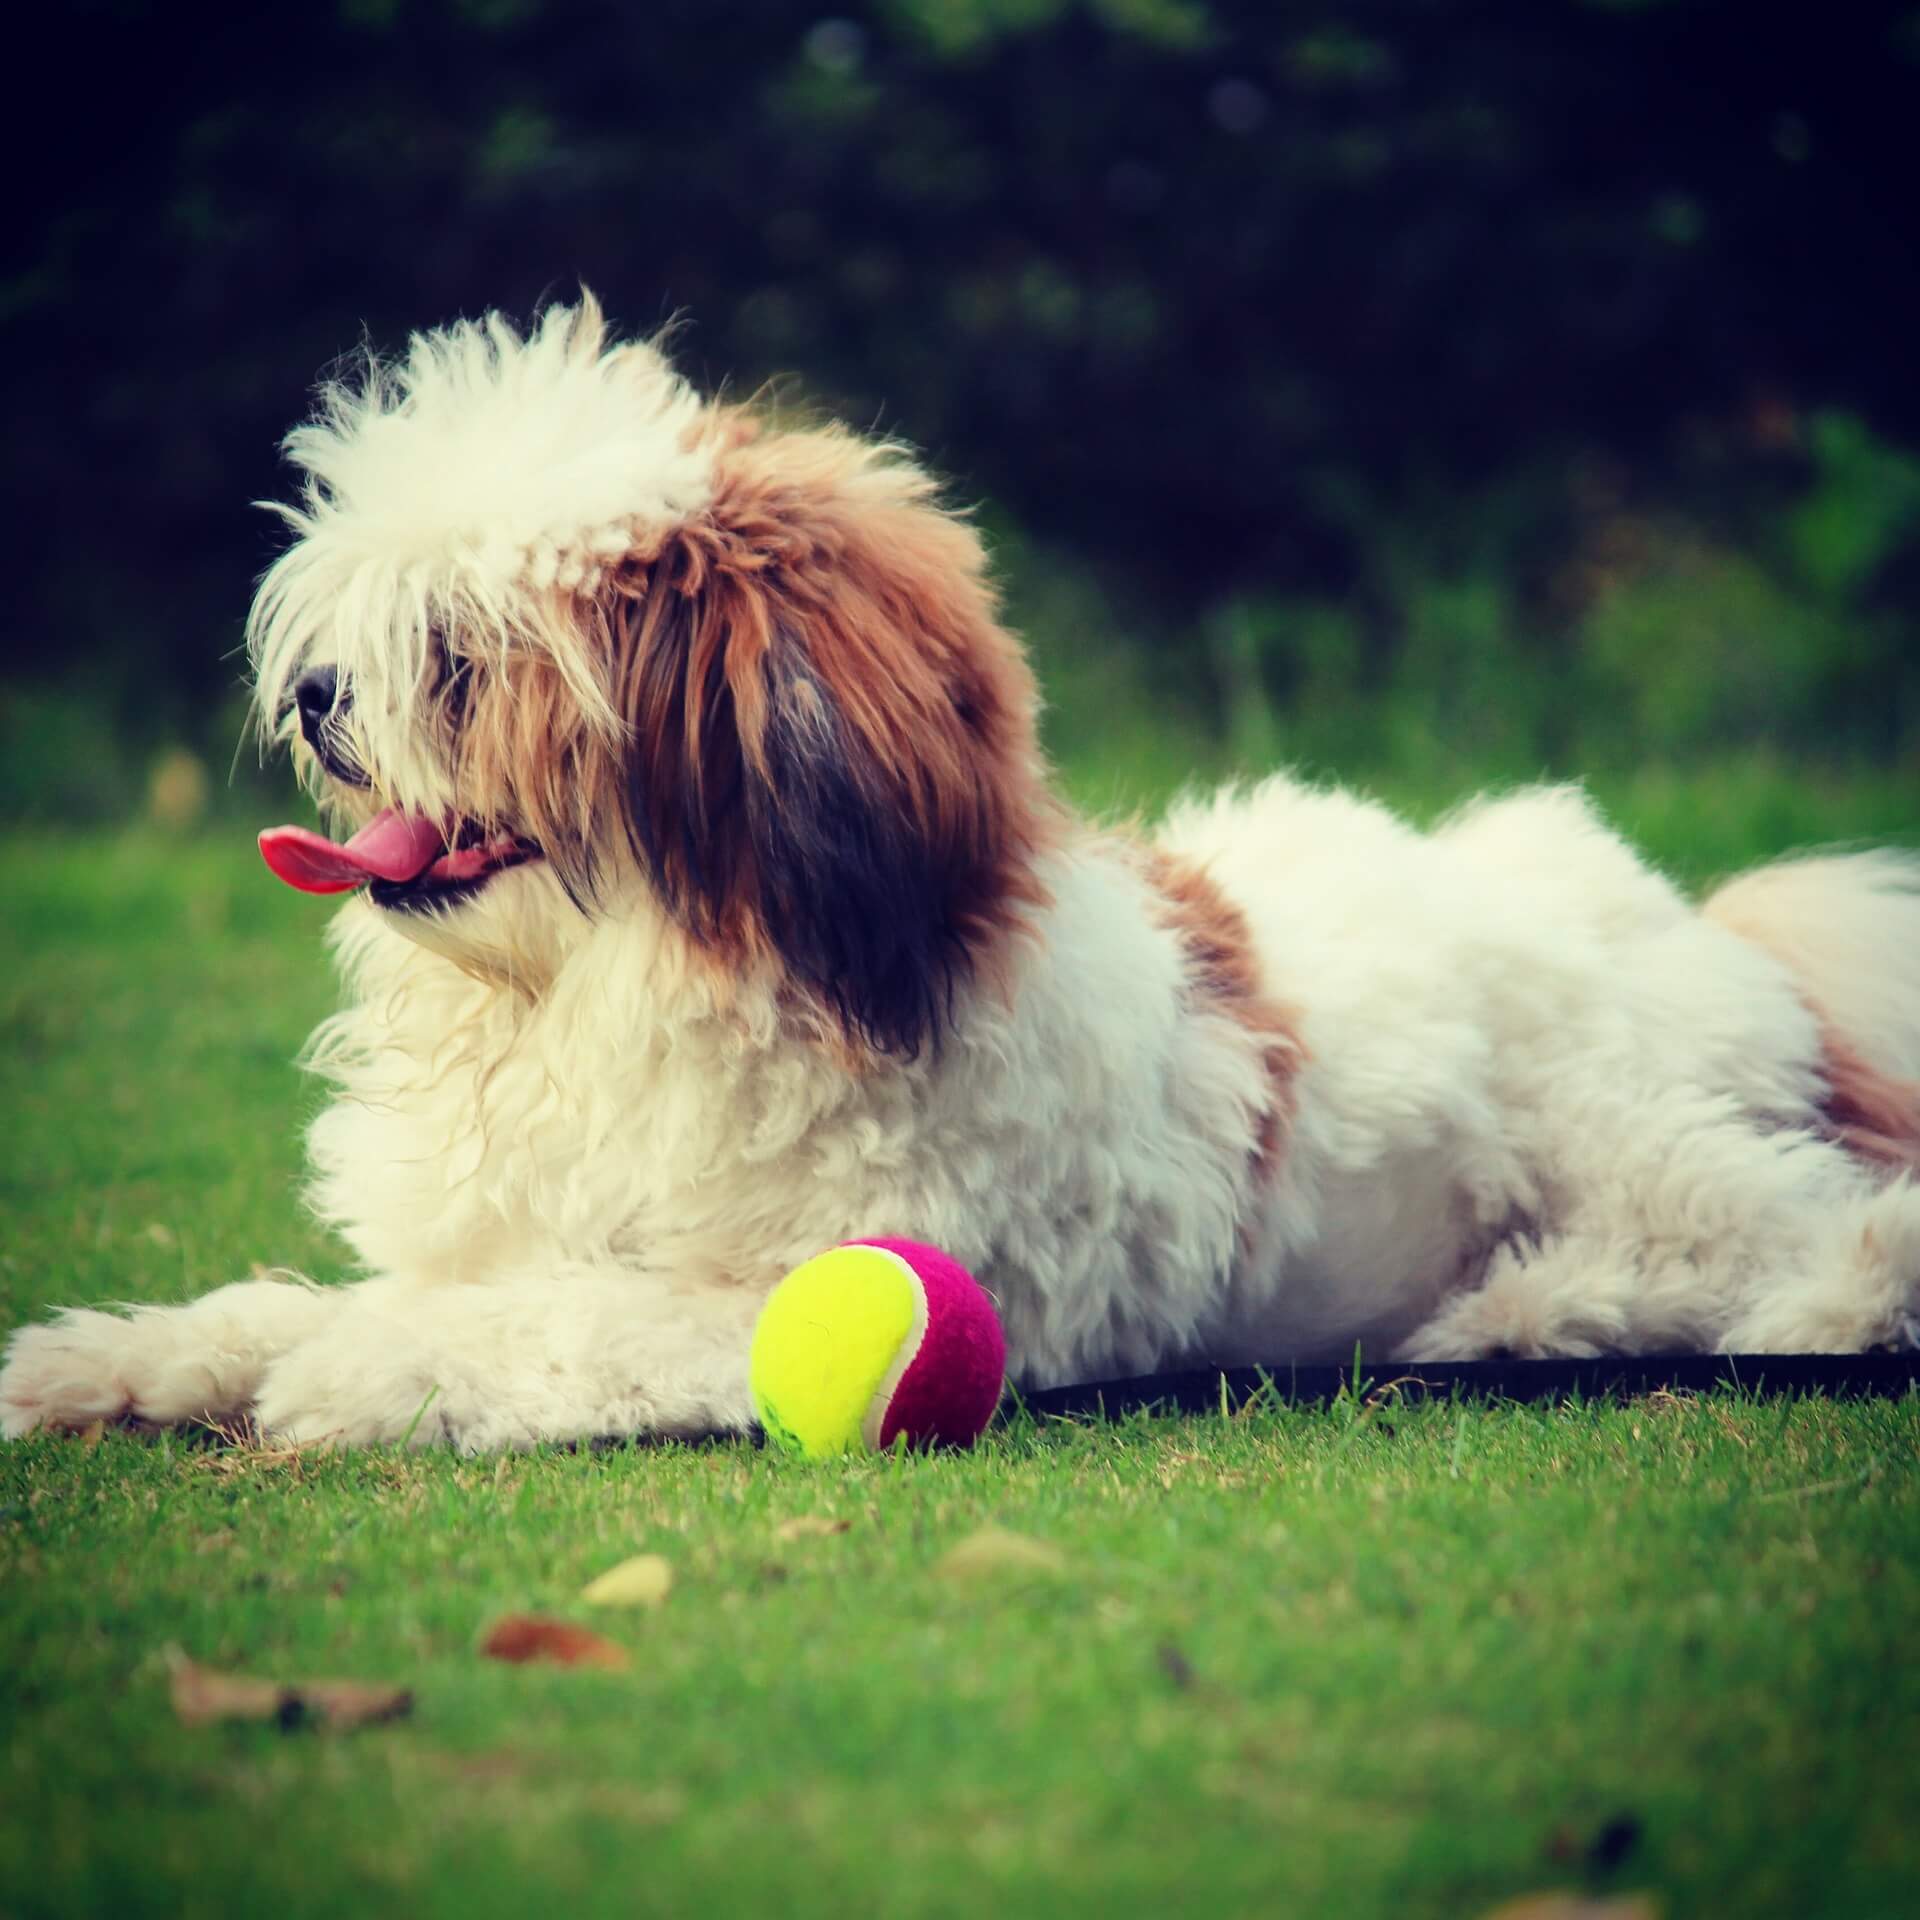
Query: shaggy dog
point(711, 907)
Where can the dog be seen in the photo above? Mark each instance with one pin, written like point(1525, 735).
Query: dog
point(710, 905)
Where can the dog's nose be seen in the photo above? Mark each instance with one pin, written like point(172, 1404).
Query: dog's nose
point(315, 694)
point(322, 704)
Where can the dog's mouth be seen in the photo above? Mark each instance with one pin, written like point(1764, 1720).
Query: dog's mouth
point(404, 862)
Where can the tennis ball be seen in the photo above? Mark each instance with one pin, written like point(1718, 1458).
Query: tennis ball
point(872, 1340)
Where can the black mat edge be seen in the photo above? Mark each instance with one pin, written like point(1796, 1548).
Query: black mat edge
point(1843, 1376)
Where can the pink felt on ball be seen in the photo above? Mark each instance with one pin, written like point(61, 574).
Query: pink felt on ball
point(952, 1385)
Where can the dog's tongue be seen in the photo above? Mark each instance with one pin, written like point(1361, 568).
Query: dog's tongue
point(392, 846)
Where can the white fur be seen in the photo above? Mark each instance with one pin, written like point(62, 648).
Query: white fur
point(465, 492)
point(1546, 1105)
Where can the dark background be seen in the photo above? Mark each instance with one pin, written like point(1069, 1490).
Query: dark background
point(1432, 391)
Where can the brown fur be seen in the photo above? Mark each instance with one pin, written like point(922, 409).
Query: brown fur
point(1872, 1114)
point(1225, 975)
point(824, 636)
point(526, 756)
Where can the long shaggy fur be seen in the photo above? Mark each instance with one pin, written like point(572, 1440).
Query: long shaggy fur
point(801, 947)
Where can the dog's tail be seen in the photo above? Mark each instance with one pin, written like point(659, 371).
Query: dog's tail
point(1847, 927)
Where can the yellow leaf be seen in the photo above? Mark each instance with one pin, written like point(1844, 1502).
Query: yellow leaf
point(643, 1581)
point(996, 1554)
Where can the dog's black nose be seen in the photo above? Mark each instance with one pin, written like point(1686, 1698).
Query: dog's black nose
point(314, 694)
point(322, 705)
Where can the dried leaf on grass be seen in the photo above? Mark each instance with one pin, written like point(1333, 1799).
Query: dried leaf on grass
point(1576, 1906)
point(994, 1553)
point(643, 1581)
point(810, 1526)
point(203, 1694)
point(352, 1703)
point(521, 1637)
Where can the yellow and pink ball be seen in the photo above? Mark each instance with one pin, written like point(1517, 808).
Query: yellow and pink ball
point(873, 1342)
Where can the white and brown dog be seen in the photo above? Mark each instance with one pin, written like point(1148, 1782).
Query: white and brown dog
point(711, 907)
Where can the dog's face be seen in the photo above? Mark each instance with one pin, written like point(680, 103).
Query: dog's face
point(563, 641)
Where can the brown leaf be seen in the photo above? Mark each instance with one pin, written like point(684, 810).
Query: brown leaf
point(202, 1694)
point(643, 1581)
point(521, 1637)
point(1562, 1905)
point(810, 1526)
point(994, 1553)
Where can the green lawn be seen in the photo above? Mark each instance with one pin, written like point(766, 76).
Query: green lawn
point(1367, 1661)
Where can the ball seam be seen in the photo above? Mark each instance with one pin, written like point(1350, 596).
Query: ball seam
point(875, 1417)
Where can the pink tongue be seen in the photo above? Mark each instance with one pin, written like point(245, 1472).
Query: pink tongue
point(391, 846)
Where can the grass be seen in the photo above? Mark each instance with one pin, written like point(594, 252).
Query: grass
point(1378, 1659)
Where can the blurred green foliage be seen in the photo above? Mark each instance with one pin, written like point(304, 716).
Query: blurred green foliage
point(1429, 390)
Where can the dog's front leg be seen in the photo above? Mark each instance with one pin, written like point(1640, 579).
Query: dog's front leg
point(200, 1361)
point(572, 1353)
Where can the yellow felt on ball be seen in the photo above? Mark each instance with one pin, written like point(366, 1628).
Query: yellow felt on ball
point(829, 1336)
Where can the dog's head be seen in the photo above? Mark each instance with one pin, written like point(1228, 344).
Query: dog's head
point(565, 641)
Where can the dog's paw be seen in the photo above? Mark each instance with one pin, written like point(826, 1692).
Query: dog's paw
point(1862, 1294)
point(198, 1361)
point(1570, 1299)
point(68, 1373)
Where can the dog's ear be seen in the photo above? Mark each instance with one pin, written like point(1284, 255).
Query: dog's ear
point(832, 754)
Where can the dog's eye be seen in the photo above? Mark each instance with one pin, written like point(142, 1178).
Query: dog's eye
point(456, 687)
